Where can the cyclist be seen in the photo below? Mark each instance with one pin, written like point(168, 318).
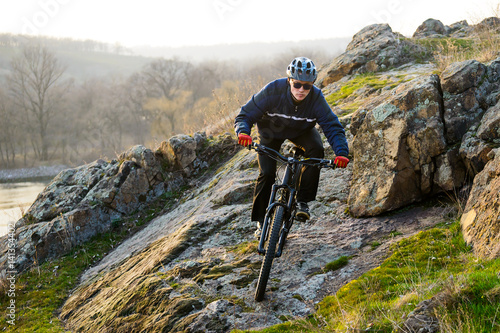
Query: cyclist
point(289, 108)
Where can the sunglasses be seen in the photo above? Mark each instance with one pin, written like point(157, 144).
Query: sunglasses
point(298, 85)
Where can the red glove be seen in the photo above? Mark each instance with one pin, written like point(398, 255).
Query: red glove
point(244, 139)
point(341, 161)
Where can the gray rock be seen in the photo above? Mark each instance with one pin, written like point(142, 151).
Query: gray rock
point(474, 152)
point(374, 48)
point(180, 151)
point(461, 76)
point(488, 24)
point(431, 28)
point(423, 318)
point(394, 146)
point(489, 130)
point(213, 318)
point(450, 172)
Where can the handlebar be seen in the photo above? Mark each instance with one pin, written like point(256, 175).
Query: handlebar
point(317, 162)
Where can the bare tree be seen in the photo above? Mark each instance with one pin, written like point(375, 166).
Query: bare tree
point(163, 91)
point(165, 77)
point(8, 132)
point(37, 87)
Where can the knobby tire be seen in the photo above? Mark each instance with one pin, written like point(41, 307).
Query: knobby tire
point(270, 253)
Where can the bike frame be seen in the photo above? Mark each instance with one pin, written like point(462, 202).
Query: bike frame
point(281, 210)
point(287, 201)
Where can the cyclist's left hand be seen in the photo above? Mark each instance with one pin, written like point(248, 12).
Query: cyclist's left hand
point(341, 161)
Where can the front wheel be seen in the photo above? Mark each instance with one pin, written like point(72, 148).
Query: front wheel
point(270, 253)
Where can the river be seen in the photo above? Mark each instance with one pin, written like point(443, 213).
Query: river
point(15, 199)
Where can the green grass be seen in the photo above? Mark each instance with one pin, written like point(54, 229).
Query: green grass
point(482, 47)
point(245, 247)
point(41, 291)
point(431, 262)
point(445, 44)
point(357, 82)
point(336, 264)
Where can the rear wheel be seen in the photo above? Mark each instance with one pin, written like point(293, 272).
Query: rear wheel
point(270, 253)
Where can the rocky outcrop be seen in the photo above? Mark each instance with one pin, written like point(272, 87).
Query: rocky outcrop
point(490, 24)
point(377, 48)
point(415, 141)
point(83, 202)
point(481, 219)
point(374, 48)
point(432, 28)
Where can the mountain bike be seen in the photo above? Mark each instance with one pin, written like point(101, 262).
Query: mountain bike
point(280, 213)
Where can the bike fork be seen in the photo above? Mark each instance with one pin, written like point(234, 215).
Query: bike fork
point(285, 228)
point(266, 226)
point(288, 222)
point(282, 240)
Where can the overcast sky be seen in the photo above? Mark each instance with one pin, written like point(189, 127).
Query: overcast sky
point(207, 22)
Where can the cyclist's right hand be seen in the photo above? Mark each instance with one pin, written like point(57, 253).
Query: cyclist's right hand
point(244, 139)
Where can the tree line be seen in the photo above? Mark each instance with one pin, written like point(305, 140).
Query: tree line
point(63, 43)
point(47, 116)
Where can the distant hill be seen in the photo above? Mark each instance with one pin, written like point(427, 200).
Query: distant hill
point(329, 47)
point(83, 59)
point(87, 58)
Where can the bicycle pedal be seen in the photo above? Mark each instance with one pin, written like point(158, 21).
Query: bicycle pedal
point(300, 218)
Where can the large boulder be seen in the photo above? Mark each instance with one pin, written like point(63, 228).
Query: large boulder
point(459, 29)
point(376, 47)
point(400, 151)
point(481, 219)
point(431, 28)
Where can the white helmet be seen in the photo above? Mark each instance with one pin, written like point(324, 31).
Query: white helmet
point(302, 69)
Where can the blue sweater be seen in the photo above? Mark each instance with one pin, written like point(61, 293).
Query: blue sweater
point(277, 117)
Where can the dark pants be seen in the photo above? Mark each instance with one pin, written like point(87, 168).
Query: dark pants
point(313, 145)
